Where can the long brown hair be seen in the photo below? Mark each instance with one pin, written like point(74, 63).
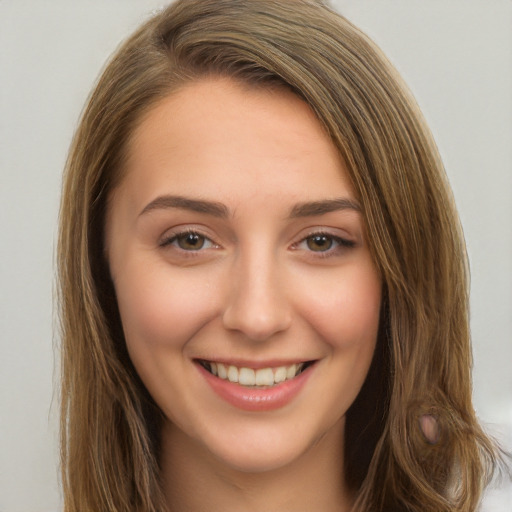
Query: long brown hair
point(109, 423)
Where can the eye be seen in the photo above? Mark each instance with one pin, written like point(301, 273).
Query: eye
point(319, 243)
point(324, 243)
point(188, 241)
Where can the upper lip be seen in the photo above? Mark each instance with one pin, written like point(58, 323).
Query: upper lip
point(254, 364)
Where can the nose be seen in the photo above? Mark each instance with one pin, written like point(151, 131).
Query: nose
point(257, 305)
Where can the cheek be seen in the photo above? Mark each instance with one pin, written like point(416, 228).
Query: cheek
point(345, 309)
point(161, 308)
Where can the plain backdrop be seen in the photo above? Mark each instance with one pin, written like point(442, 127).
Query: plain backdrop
point(455, 55)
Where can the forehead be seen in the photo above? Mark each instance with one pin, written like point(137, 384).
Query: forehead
point(216, 137)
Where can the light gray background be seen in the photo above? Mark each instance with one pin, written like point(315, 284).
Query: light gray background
point(457, 58)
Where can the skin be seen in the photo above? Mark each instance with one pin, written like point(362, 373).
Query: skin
point(261, 288)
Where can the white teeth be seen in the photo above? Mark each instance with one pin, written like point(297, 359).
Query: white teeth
point(265, 377)
point(246, 377)
point(221, 371)
point(250, 377)
point(233, 374)
point(280, 375)
point(291, 371)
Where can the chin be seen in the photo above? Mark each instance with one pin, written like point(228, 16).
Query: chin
point(269, 448)
point(260, 459)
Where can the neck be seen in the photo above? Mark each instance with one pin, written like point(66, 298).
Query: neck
point(195, 480)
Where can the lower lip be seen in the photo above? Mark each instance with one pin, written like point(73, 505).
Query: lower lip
point(254, 399)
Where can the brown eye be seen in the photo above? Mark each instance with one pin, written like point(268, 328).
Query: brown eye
point(190, 241)
point(319, 243)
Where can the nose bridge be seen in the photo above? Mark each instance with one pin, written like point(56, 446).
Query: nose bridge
point(257, 304)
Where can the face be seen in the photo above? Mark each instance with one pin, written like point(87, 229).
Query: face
point(238, 253)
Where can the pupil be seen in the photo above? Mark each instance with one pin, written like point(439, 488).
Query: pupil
point(320, 243)
point(191, 241)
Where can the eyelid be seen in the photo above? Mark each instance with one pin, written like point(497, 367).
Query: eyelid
point(172, 234)
point(342, 242)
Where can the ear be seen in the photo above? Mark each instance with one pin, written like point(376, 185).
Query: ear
point(430, 428)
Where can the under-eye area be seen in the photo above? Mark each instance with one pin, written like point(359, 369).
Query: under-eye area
point(259, 378)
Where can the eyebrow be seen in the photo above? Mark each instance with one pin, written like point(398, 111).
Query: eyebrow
point(311, 209)
point(196, 205)
point(216, 209)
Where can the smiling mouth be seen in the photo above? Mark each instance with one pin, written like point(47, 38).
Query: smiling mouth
point(261, 378)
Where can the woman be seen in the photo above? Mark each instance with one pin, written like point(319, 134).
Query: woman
point(263, 278)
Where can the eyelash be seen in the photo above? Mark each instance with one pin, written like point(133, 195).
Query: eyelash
point(170, 240)
point(339, 243)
